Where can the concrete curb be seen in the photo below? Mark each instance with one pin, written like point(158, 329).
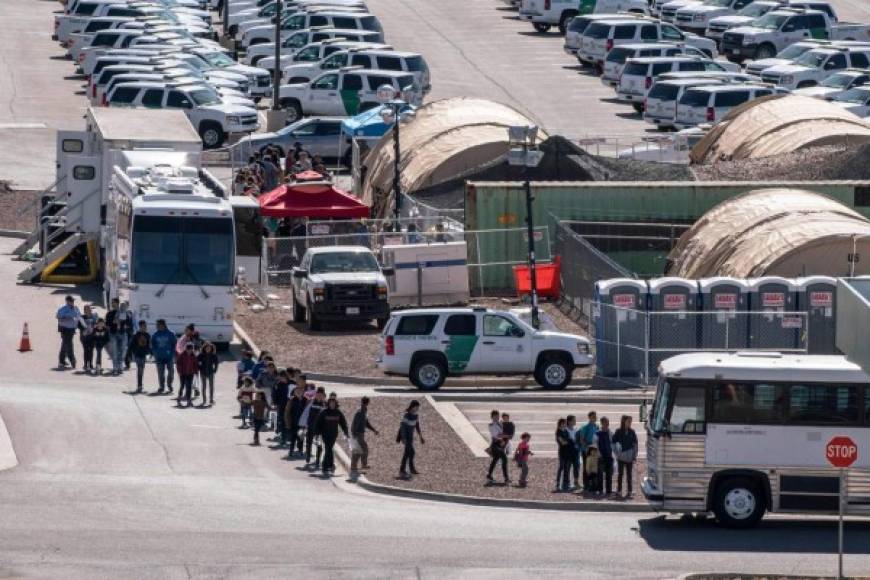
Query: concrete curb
point(419, 494)
point(14, 234)
point(8, 458)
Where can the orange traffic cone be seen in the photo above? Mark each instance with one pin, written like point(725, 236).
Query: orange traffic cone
point(25, 340)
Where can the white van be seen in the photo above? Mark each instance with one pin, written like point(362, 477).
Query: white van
point(709, 104)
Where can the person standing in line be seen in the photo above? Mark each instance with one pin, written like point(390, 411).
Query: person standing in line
point(309, 419)
point(86, 336)
point(68, 317)
point(207, 361)
point(190, 336)
point(117, 321)
point(244, 367)
point(521, 456)
point(245, 396)
point(591, 471)
point(280, 397)
point(360, 452)
point(163, 351)
point(101, 339)
point(585, 437)
point(626, 447)
point(328, 423)
point(125, 307)
point(140, 348)
point(292, 413)
point(410, 423)
point(574, 449)
point(497, 448)
point(259, 408)
point(187, 367)
point(565, 446)
point(260, 365)
point(605, 451)
point(267, 380)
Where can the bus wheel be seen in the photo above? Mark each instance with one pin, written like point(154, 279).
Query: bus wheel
point(738, 503)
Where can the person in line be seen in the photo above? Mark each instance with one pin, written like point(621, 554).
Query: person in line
point(131, 330)
point(140, 348)
point(280, 398)
point(625, 446)
point(260, 365)
point(360, 452)
point(574, 449)
point(497, 448)
point(244, 367)
point(328, 423)
point(163, 351)
point(585, 437)
point(309, 419)
point(410, 423)
point(591, 471)
point(245, 396)
point(292, 412)
point(118, 320)
point(266, 382)
point(207, 362)
point(259, 408)
point(101, 339)
point(68, 317)
point(565, 445)
point(521, 456)
point(190, 336)
point(187, 367)
point(86, 336)
point(509, 430)
point(605, 452)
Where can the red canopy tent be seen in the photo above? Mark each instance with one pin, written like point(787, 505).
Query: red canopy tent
point(311, 200)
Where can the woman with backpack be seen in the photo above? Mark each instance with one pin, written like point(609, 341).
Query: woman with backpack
point(625, 446)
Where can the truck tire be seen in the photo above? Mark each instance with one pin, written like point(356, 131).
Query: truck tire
point(298, 310)
point(541, 27)
point(739, 503)
point(294, 109)
point(311, 321)
point(766, 50)
point(428, 374)
point(554, 371)
point(564, 20)
point(212, 135)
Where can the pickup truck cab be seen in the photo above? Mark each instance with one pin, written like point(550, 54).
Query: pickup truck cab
point(303, 20)
point(856, 101)
point(213, 118)
point(779, 28)
point(428, 345)
point(345, 92)
point(266, 13)
point(717, 25)
point(544, 14)
point(639, 74)
point(709, 104)
point(816, 65)
point(317, 51)
point(601, 37)
point(669, 9)
point(695, 17)
point(836, 84)
point(367, 58)
point(578, 24)
point(616, 58)
point(339, 283)
point(256, 54)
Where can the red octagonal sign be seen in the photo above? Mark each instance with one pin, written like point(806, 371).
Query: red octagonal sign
point(841, 452)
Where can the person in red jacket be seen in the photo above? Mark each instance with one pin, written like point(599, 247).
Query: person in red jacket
point(187, 367)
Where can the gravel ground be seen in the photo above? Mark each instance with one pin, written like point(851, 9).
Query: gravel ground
point(447, 465)
point(273, 330)
point(13, 216)
point(812, 164)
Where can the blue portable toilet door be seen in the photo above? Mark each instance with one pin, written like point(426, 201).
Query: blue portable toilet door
point(818, 299)
point(724, 324)
point(620, 327)
point(769, 327)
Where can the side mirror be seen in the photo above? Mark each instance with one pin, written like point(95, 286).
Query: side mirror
point(517, 332)
point(388, 271)
point(300, 273)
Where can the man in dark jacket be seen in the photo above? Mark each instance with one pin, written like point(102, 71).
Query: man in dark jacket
point(292, 412)
point(280, 395)
point(605, 450)
point(358, 428)
point(140, 348)
point(328, 423)
point(317, 404)
point(187, 367)
point(163, 350)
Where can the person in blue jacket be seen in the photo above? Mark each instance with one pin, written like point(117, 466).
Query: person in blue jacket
point(585, 438)
point(163, 351)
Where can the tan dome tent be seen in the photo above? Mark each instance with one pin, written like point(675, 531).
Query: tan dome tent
point(447, 139)
point(779, 124)
point(784, 232)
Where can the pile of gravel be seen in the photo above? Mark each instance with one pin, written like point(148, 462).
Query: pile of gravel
point(832, 162)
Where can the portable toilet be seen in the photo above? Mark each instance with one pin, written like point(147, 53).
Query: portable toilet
point(725, 326)
point(770, 297)
point(817, 297)
point(619, 312)
point(673, 322)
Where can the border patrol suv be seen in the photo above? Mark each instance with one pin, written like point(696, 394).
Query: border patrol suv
point(427, 345)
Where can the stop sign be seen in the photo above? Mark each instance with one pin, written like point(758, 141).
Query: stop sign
point(841, 452)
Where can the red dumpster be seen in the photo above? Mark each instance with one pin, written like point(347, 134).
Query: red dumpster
point(549, 276)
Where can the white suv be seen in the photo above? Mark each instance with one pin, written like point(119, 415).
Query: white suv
point(427, 345)
point(367, 58)
point(639, 74)
point(710, 103)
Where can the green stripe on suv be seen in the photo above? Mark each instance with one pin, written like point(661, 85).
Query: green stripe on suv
point(459, 352)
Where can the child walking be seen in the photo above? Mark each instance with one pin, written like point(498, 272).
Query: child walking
point(521, 456)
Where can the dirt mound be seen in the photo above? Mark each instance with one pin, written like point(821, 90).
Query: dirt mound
point(833, 162)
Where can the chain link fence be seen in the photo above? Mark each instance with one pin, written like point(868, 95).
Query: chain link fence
point(630, 344)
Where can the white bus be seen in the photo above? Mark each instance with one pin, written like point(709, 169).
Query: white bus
point(742, 434)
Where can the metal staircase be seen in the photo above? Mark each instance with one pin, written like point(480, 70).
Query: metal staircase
point(60, 251)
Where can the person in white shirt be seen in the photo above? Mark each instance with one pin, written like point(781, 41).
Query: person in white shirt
point(497, 448)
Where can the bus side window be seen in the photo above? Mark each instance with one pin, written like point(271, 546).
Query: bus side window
point(747, 403)
point(689, 410)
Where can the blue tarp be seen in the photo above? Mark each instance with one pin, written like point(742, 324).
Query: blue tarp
point(367, 124)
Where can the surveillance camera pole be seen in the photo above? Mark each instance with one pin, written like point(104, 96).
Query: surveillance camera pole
point(276, 73)
point(397, 188)
point(530, 228)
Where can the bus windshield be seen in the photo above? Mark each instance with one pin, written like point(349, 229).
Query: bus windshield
point(182, 250)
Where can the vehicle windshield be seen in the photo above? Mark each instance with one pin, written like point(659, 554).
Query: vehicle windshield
point(579, 24)
point(659, 422)
point(812, 59)
point(416, 64)
point(343, 262)
point(180, 250)
point(310, 54)
point(793, 51)
point(619, 54)
point(597, 31)
point(838, 81)
point(218, 59)
point(770, 21)
point(695, 98)
point(636, 69)
point(754, 10)
point(663, 92)
point(204, 97)
point(857, 95)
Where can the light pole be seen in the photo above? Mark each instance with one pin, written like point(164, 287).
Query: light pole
point(392, 112)
point(524, 152)
point(276, 73)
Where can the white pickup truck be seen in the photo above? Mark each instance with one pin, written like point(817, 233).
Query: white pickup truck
point(816, 65)
point(695, 17)
point(779, 28)
point(544, 14)
point(716, 26)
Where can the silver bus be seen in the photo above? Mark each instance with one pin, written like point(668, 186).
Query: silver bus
point(743, 434)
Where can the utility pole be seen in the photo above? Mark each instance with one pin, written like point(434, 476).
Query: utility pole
point(397, 187)
point(276, 74)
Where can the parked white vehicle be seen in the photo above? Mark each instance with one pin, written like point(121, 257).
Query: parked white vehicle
point(264, 14)
point(696, 17)
point(261, 80)
point(815, 66)
point(785, 56)
point(303, 20)
point(836, 84)
point(212, 118)
point(428, 345)
point(601, 37)
point(639, 74)
point(616, 58)
point(674, 148)
point(578, 24)
point(544, 14)
point(669, 9)
point(263, 55)
point(855, 101)
point(317, 51)
point(709, 104)
point(367, 58)
point(716, 26)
